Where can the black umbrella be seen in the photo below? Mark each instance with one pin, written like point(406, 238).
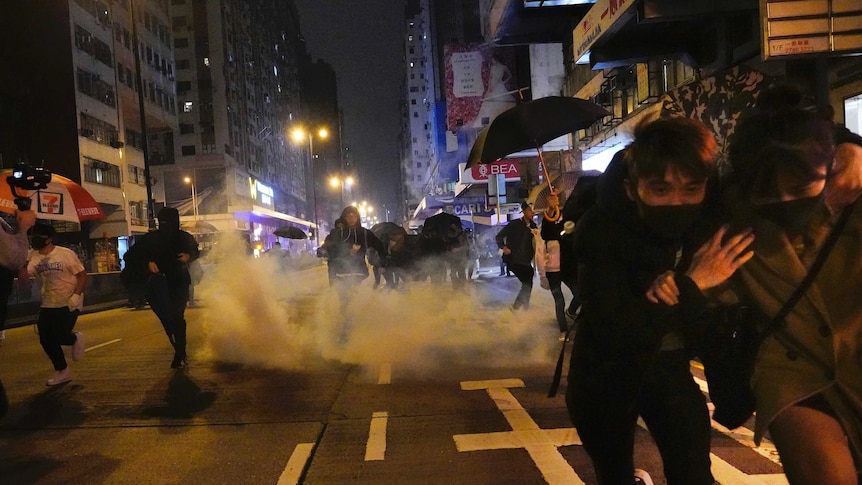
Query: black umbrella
point(531, 125)
point(388, 231)
point(444, 225)
point(198, 227)
point(290, 232)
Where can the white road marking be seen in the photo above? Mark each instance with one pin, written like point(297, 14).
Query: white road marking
point(541, 444)
point(385, 376)
point(724, 472)
point(293, 470)
point(109, 342)
point(375, 449)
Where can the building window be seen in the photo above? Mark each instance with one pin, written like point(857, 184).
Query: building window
point(85, 41)
point(184, 87)
point(136, 175)
point(134, 138)
point(188, 150)
point(183, 64)
point(102, 173)
point(179, 23)
point(187, 128)
point(98, 130)
point(181, 43)
point(187, 107)
point(93, 86)
point(207, 61)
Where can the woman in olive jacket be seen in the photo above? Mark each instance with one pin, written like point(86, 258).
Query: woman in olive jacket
point(809, 392)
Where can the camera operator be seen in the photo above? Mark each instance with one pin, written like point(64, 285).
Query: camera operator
point(14, 248)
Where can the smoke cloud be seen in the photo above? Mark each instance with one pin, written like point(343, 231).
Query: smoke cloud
point(260, 312)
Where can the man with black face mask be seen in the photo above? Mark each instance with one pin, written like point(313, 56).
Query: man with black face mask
point(631, 355)
point(168, 252)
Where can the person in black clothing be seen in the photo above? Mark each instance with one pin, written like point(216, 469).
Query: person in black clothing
point(631, 355)
point(167, 253)
point(516, 242)
point(346, 249)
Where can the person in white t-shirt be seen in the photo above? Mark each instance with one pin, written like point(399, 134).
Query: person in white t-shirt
point(62, 279)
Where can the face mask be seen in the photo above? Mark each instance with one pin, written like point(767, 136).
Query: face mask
point(669, 221)
point(790, 215)
point(38, 242)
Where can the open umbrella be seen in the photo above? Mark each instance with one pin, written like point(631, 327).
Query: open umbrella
point(61, 200)
point(198, 227)
point(388, 231)
point(563, 183)
point(290, 232)
point(531, 125)
point(443, 225)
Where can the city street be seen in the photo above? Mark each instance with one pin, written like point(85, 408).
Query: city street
point(424, 385)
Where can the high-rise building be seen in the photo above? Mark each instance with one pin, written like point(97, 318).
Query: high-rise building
point(70, 101)
point(236, 166)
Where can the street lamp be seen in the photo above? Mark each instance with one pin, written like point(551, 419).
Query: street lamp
point(191, 182)
point(338, 182)
point(300, 134)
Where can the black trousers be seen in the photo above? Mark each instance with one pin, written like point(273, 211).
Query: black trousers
point(524, 273)
point(169, 304)
point(7, 279)
point(55, 329)
point(555, 282)
point(673, 408)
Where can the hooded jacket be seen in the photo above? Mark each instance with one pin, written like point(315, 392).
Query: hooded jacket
point(618, 259)
point(347, 247)
point(163, 247)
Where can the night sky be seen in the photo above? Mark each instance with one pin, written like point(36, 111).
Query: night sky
point(363, 40)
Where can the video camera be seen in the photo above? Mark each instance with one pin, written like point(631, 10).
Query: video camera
point(26, 177)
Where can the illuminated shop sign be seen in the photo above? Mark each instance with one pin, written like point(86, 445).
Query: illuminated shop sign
point(264, 193)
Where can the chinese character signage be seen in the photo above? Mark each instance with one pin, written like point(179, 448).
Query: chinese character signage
point(479, 84)
point(810, 27)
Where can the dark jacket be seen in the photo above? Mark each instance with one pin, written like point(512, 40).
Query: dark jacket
point(618, 259)
point(518, 237)
point(553, 231)
point(163, 247)
point(343, 260)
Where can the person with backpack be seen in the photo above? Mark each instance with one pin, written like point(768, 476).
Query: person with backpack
point(630, 355)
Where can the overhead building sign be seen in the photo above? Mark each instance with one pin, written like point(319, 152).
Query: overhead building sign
point(596, 22)
point(802, 27)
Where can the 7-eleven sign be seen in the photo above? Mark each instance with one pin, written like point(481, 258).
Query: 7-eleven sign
point(50, 203)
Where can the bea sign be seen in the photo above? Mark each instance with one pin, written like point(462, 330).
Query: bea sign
point(506, 168)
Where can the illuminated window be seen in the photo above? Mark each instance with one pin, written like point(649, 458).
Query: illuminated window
point(187, 107)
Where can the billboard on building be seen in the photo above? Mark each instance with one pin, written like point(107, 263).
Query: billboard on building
point(480, 84)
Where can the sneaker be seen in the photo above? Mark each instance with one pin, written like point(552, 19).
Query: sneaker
point(572, 314)
point(60, 377)
point(563, 337)
point(78, 348)
point(179, 363)
point(642, 477)
point(2, 336)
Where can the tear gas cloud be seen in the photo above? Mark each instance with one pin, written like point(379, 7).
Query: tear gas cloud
point(257, 312)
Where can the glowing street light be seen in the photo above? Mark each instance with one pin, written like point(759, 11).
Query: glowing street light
point(190, 181)
point(300, 134)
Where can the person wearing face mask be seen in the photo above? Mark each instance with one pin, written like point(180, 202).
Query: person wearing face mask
point(517, 244)
point(168, 252)
point(62, 279)
point(630, 355)
point(807, 379)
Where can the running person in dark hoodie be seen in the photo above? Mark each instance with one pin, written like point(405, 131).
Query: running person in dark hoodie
point(168, 252)
point(631, 356)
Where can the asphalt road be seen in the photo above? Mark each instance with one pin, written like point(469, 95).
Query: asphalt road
point(419, 386)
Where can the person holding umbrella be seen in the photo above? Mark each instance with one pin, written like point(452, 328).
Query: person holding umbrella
point(517, 246)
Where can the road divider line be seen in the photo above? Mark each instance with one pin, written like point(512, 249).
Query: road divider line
point(540, 444)
point(109, 342)
point(296, 464)
point(375, 449)
point(385, 376)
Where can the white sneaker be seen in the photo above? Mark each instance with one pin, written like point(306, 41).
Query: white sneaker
point(78, 347)
point(2, 336)
point(60, 377)
point(642, 477)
